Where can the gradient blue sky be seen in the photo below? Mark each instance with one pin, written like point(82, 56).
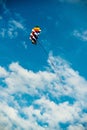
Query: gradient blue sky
point(41, 91)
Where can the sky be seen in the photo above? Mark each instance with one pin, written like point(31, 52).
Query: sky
point(43, 87)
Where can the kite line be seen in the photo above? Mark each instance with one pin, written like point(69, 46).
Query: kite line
point(34, 39)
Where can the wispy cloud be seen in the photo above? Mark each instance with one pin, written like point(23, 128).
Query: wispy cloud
point(0, 17)
point(81, 34)
point(16, 24)
point(43, 100)
point(11, 31)
point(24, 44)
point(12, 25)
point(2, 33)
point(3, 3)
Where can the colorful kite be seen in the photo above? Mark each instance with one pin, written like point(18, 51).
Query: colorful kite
point(35, 34)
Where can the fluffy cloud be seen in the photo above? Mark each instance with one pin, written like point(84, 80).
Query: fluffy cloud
point(43, 100)
point(77, 127)
point(3, 72)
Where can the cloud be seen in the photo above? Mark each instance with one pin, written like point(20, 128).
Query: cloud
point(3, 72)
point(81, 34)
point(12, 28)
point(8, 33)
point(77, 127)
point(4, 7)
point(43, 100)
point(13, 23)
point(2, 33)
point(24, 44)
point(16, 24)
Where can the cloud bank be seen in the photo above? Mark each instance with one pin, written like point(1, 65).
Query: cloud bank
point(52, 99)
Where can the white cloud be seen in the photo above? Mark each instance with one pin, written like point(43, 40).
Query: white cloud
point(3, 72)
point(77, 127)
point(2, 33)
point(12, 30)
point(8, 33)
point(12, 33)
point(34, 100)
point(81, 34)
point(24, 44)
point(55, 113)
point(13, 24)
point(16, 24)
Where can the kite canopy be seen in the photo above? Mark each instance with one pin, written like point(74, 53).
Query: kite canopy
point(35, 34)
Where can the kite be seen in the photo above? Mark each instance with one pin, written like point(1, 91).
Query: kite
point(34, 37)
point(35, 34)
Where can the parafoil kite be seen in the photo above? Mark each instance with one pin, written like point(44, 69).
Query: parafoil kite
point(35, 34)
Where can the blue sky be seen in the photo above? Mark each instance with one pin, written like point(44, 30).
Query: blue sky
point(40, 91)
